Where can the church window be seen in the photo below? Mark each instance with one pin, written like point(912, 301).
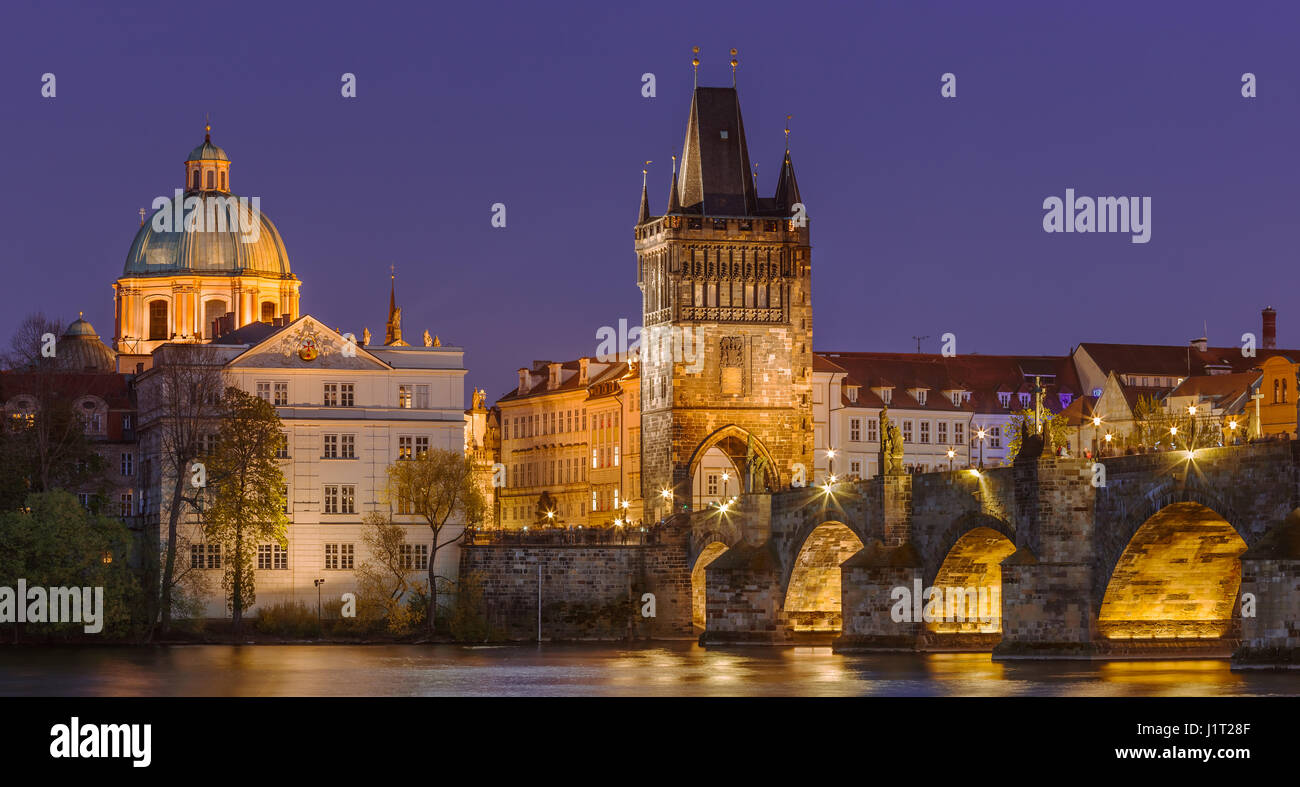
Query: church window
point(157, 320)
point(195, 181)
point(224, 187)
point(268, 311)
point(208, 180)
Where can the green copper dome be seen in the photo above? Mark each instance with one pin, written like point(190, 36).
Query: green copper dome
point(207, 152)
point(214, 249)
point(80, 350)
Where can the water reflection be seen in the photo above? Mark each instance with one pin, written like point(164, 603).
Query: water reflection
point(678, 669)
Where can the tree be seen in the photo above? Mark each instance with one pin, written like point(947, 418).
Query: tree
point(385, 578)
point(180, 404)
point(545, 505)
point(55, 542)
point(1022, 425)
point(436, 486)
point(247, 493)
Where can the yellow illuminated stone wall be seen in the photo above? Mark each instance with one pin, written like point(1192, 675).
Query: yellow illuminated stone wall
point(813, 601)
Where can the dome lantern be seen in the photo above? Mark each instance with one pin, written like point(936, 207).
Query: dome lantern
point(207, 167)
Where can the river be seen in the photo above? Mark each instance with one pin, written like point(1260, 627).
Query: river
point(675, 669)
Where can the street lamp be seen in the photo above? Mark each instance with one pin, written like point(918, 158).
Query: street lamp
point(1096, 425)
point(980, 434)
point(319, 582)
point(951, 454)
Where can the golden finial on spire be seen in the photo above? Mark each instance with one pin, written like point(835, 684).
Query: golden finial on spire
point(734, 63)
point(207, 127)
point(80, 315)
point(644, 172)
point(695, 63)
point(787, 133)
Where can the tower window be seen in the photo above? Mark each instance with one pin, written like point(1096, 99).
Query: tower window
point(268, 312)
point(209, 179)
point(223, 182)
point(195, 184)
point(157, 320)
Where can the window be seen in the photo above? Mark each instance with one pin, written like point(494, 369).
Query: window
point(616, 450)
point(404, 397)
point(264, 391)
point(195, 181)
point(855, 468)
point(1065, 399)
point(281, 394)
point(593, 500)
point(331, 447)
point(872, 430)
point(331, 499)
point(209, 180)
point(205, 556)
point(284, 492)
point(404, 447)
point(711, 485)
point(84, 499)
point(907, 431)
point(1024, 400)
point(283, 451)
point(331, 395)
point(415, 557)
point(272, 557)
point(348, 446)
point(925, 431)
point(421, 447)
point(956, 398)
point(128, 460)
point(959, 434)
point(339, 556)
point(268, 312)
point(1004, 398)
point(886, 395)
point(593, 458)
point(348, 501)
point(125, 505)
point(422, 397)
point(995, 437)
point(855, 430)
point(920, 396)
point(157, 320)
point(943, 432)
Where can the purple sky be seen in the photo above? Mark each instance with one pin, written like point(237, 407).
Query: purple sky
point(926, 213)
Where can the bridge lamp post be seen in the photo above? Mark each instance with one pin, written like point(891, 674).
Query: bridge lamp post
point(980, 434)
point(951, 454)
point(1096, 426)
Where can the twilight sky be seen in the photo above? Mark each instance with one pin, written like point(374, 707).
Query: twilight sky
point(926, 213)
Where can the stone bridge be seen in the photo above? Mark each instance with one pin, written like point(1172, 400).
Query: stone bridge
point(1156, 554)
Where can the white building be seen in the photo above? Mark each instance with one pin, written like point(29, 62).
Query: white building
point(347, 417)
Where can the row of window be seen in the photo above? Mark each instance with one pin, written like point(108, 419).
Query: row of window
point(338, 556)
point(538, 424)
point(565, 470)
point(920, 432)
point(409, 396)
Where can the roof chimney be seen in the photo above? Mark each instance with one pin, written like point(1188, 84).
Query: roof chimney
point(1201, 344)
point(1270, 328)
point(582, 370)
point(523, 382)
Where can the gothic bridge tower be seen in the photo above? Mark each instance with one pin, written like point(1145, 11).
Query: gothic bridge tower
point(725, 277)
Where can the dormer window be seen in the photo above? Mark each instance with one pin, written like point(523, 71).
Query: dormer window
point(886, 395)
point(1066, 399)
point(921, 394)
point(1004, 398)
point(851, 393)
point(1024, 400)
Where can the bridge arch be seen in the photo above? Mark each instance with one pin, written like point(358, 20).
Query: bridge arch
point(709, 553)
point(1177, 576)
point(813, 600)
point(969, 578)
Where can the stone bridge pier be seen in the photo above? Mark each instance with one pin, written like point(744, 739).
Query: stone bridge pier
point(1162, 554)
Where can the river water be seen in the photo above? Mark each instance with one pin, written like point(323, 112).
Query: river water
point(675, 669)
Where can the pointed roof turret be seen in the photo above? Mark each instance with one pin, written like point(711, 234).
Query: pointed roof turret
point(393, 330)
point(787, 188)
point(645, 201)
point(674, 199)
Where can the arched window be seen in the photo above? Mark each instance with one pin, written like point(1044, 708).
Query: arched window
point(1275, 399)
point(212, 311)
point(195, 185)
point(158, 320)
point(224, 187)
point(268, 311)
point(209, 179)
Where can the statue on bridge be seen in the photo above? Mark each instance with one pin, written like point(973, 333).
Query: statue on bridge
point(891, 446)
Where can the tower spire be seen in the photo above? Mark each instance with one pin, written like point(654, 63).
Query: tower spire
point(393, 330)
point(674, 200)
point(695, 64)
point(645, 198)
point(787, 188)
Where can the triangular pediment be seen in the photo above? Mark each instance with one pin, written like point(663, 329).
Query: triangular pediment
point(307, 343)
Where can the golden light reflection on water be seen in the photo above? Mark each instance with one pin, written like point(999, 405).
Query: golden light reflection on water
point(669, 669)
